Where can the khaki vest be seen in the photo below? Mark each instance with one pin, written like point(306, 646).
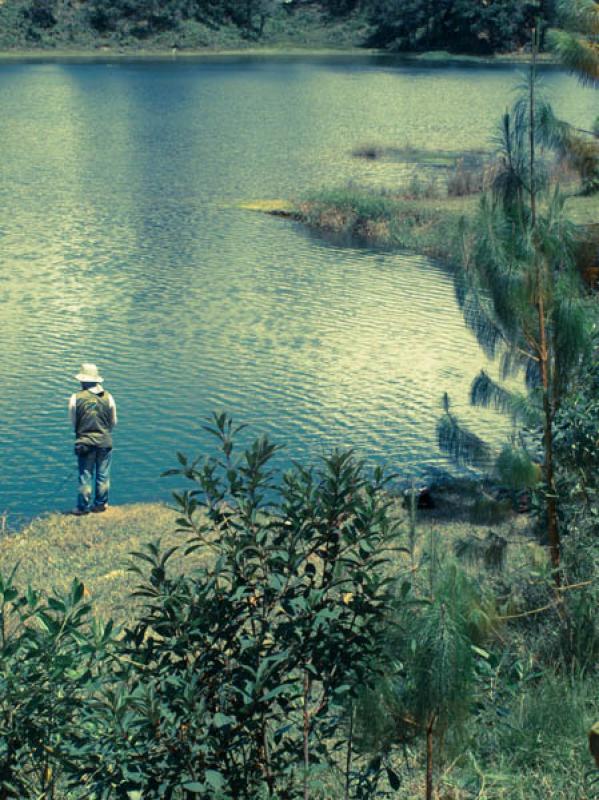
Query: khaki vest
point(93, 419)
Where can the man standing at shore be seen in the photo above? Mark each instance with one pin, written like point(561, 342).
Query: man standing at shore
point(92, 412)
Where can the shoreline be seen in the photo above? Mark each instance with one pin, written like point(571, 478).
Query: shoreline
point(282, 50)
point(427, 226)
point(52, 549)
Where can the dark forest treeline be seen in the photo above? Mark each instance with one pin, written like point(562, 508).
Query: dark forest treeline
point(466, 26)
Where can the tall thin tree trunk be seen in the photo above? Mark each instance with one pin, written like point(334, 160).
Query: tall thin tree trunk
point(429, 758)
point(544, 361)
point(532, 133)
point(348, 759)
point(412, 529)
point(306, 733)
point(265, 757)
point(544, 355)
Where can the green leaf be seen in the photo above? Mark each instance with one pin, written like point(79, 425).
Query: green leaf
point(77, 591)
point(343, 689)
point(274, 693)
point(32, 597)
point(221, 720)
point(275, 582)
point(194, 787)
point(215, 779)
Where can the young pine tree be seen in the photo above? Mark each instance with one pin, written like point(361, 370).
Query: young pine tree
point(521, 294)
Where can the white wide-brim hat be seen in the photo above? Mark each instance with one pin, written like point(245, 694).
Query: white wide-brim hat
point(89, 374)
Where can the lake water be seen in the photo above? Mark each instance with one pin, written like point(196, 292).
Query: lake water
point(120, 244)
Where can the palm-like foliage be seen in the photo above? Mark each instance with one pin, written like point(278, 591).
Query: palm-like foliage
point(578, 148)
point(577, 44)
point(574, 146)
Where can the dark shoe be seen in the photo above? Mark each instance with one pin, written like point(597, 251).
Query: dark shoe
point(98, 509)
point(78, 512)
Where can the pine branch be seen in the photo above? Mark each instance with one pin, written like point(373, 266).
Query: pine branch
point(579, 55)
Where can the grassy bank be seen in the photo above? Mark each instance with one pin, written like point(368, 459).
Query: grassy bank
point(305, 47)
point(425, 225)
point(241, 49)
point(54, 549)
point(428, 225)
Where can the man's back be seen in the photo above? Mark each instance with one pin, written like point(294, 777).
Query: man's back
point(95, 416)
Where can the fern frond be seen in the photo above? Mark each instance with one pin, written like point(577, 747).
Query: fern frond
point(551, 131)
point(526, 407)
point(580, 15)
point(570, 326)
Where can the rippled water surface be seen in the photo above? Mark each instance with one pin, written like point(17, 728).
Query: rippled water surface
point(120, 243)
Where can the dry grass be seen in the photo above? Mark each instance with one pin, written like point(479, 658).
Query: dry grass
point(54, 549)
point(428, 225)
point(276, 207)
point(425, 224)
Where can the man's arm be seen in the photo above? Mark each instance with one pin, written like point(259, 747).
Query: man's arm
point(73, 410)
point(112, 406)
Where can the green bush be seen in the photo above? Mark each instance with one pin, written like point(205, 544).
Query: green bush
point(51, 659)
point(300, 657)
point(234, 681)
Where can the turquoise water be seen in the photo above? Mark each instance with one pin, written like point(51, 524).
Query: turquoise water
point(120, 243)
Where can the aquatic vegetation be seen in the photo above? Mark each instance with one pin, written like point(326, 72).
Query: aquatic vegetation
point(426, 225)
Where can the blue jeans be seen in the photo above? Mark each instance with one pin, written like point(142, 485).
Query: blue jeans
point(98, 460)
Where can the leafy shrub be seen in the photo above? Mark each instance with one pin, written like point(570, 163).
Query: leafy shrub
point(51, 659)
point(576, 436)
point(236, 679)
